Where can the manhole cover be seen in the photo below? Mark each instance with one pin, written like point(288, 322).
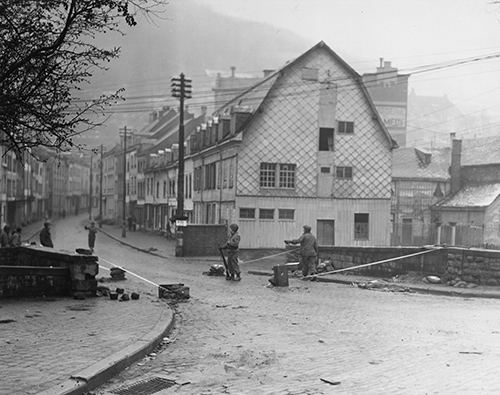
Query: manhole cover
point(145, 387)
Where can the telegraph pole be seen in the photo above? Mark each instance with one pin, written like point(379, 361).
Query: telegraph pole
point(181, 88)
point(124, 212)
point(100, 190)
point(90, 187)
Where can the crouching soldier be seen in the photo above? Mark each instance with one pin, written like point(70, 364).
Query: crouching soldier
point(233, 249)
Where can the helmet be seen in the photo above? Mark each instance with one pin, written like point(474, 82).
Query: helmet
point(234, 227)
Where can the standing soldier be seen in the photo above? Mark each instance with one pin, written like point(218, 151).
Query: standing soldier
point(308, 250)
point(45, 236)
point(92, 232)
point(233, 249)
point(5, 236)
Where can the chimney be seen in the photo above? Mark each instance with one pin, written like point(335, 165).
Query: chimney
point(453, 135)
point(456, 158)
point(381, 62)
point(267, 72)
point(387, 65)
point(233, 70)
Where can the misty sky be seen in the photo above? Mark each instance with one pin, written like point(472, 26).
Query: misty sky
point(410, 33)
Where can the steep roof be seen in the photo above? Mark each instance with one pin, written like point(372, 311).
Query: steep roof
point(472, 196)
point(256, 94)
point(412, 163)
point(480, 151)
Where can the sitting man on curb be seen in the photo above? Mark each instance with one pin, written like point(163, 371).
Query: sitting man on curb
point(308, 251)
point(232, 246)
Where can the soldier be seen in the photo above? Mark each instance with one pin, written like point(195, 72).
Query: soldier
point(92, 233)
point(232, 246)
point(45, 237)
point(5, 236)
point(15, 239)
point(308, 251)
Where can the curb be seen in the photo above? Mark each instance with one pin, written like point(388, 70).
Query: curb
point(460, 292)
point(131, 245)
point(97, 374)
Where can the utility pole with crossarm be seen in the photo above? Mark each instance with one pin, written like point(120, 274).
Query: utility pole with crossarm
point(181, 89)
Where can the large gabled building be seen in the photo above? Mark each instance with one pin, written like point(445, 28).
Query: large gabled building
point(305, 145)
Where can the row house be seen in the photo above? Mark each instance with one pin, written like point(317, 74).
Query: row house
point(109, 183)
point(23, 191)
point(305, 145)
point(161, 173)
point(470, 215)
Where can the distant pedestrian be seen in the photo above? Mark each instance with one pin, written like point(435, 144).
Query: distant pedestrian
point(45, 236)
point(233, 249)
point(15, 239)
point(308, 251)
point(5, 237)
point(92, 233)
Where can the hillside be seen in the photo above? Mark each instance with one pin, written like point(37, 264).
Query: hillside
point(191, 39)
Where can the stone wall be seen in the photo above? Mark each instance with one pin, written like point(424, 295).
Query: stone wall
point(38, 271)
point(204, 240)
point(479, 266)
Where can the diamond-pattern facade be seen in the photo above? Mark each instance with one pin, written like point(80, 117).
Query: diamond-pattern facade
point(286, 130)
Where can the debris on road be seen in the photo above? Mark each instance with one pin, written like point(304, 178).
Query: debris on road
point(216, 270)
point(378, 285)
point(330, 382)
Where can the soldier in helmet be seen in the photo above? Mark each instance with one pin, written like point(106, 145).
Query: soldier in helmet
point(308, 250)
point(233, 248)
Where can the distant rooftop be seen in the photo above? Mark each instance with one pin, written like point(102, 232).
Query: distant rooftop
point(473, 196)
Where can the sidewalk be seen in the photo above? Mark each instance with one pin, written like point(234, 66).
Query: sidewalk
point(66, 346)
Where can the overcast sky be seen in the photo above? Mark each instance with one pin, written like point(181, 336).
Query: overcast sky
point(410, 33)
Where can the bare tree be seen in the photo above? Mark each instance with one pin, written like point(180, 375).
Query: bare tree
point(47, 53)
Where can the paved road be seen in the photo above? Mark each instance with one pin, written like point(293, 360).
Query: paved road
point(43, 341)
point(246, 338)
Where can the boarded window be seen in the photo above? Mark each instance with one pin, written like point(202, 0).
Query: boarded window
point(248, 213)
point(266, 213)
point(310, 74)
point(325, 170)
point(326, 139)
point(346, 127)
point(361, 226)
point(285, 213)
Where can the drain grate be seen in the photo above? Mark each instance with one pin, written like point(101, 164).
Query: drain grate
point(145, 387)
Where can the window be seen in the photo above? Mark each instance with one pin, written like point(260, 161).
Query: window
point(326, 139)
point(164, 189)
point(285, 213)
point(325, 170)
point(346, 127)
point(158, 189)
point(287, 175)
point(277, 175)
point(310, 74)
point(268, 175)
point(266, 213)
point(210, 176)
point(248, 213)
point(344, 172)
point(361, 226)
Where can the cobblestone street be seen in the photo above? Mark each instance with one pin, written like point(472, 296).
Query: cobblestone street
point(246, 338)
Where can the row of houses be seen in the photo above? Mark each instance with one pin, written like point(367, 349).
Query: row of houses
point(40, 185)
point(304, 144)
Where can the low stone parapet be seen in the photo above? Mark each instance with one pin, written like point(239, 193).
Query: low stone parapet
point(39, 271)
